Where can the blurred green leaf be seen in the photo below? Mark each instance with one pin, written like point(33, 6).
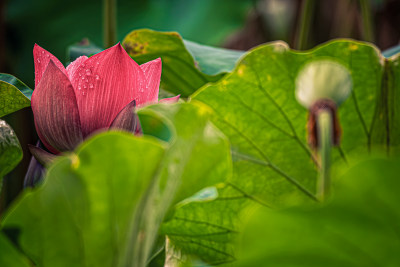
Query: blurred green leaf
point(198, 156)
point(10, 150)
point(359, 227)
point(14, 94)
point(80, 215)
point(10, 256)
point(186, 65)
point(213, 60)
point(83, 48)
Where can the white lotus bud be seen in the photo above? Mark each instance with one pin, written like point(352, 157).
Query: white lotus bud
point(323, 79)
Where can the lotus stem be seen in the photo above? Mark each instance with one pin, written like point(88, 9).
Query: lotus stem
point(110, 22)
point(306, 16)
point(367, 21)
point(325, 135)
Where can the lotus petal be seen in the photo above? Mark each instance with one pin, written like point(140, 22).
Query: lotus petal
point(56, 111)
point(74, 66)
point(42, 156)
point(104, 84)
point(152, 72)
point(34, 174)
point(35, 171)
point(126, 119)
point(42, 58)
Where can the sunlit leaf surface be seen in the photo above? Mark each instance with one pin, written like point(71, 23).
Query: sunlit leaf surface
point(255, 107)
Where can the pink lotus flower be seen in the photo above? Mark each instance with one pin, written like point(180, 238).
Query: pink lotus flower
point(93, 93)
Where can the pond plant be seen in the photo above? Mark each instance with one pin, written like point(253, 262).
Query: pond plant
point(266, 157)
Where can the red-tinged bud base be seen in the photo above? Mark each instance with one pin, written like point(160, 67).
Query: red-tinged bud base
point(318, 106)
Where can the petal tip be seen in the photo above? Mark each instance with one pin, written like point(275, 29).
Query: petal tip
point(52, 66)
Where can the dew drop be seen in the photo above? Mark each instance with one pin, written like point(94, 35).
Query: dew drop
point(88, 72)
point(79, 87)
point(83, 65)
point(97, 77)
point(84, 87)
point(42, 52)
point(83, 77)
point(38, 60)
point(47, 55)
point(83, 93)
point(90, 85)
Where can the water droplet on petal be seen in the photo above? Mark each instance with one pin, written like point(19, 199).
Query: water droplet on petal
point(38, 60)
point(83, 77)
point(42, 52)
point(86, 80)
point(97, 77)
point(90, 85)
point(47, 55)
point(79, 87)
point(88, 72)
point(83, 93)
point(84, 87)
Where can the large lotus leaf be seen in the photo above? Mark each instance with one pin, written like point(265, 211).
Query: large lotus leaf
point(198, 156)
point(10, 150)
point(186, 65)
point(80, 215)
point(14, 94)
point(359, 227)
point(10, 256)
point(255, 106)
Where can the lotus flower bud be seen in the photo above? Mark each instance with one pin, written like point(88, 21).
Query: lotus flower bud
point(323, 79)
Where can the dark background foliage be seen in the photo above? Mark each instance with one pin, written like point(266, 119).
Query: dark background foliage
point(236, 24)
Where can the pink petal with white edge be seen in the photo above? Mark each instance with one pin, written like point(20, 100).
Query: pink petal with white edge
point(104, 84)
point(74, 66)
point(152, 72)
point(41, 59)
point(55, 111)
point(170, 100)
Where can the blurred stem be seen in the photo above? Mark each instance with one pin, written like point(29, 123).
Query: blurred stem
point(367, 21)
point(110, 22)
point(306, 16)
point(324, 124)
